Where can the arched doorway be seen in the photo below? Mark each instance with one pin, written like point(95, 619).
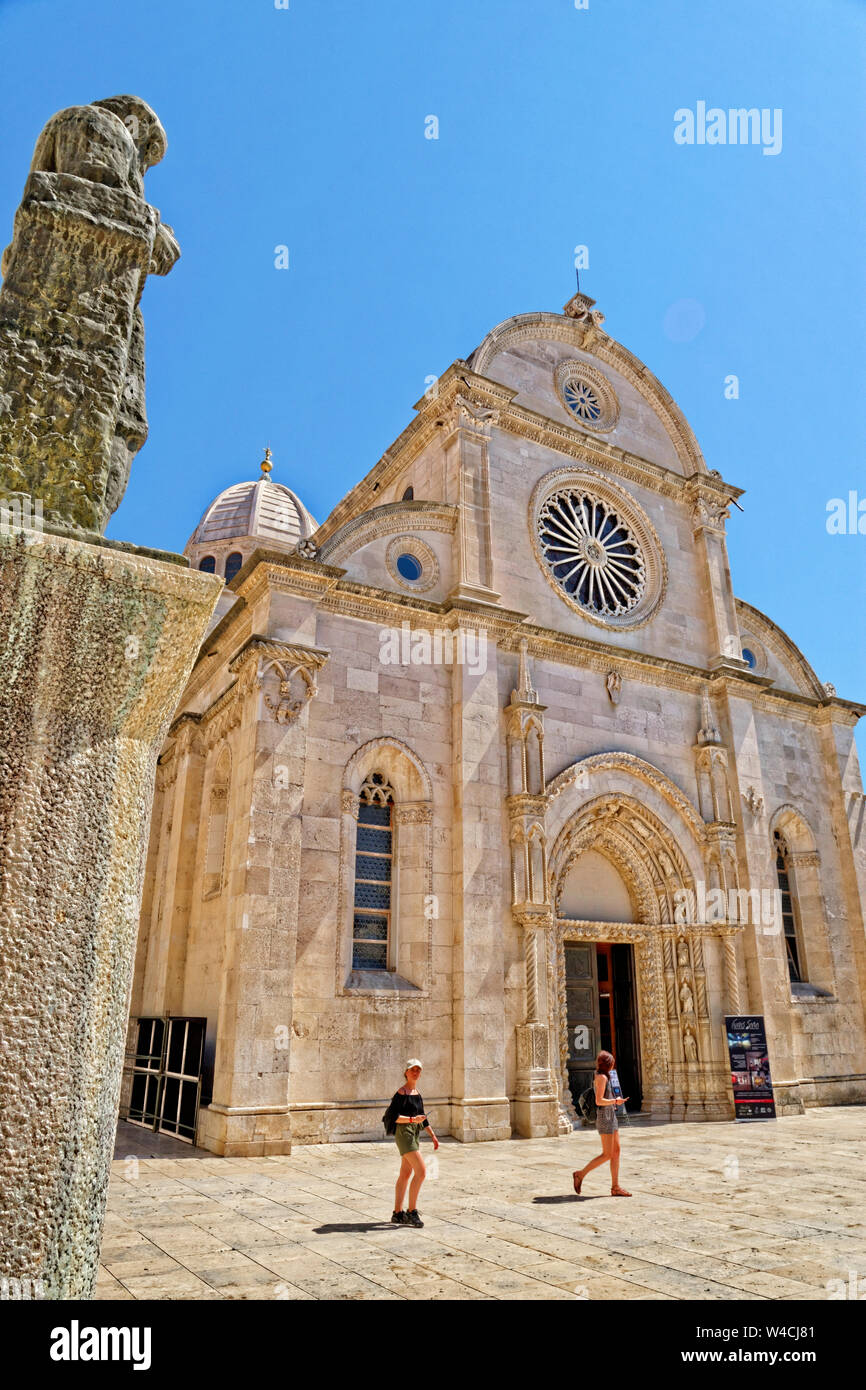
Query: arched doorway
point(600, 976)
point(616, 872)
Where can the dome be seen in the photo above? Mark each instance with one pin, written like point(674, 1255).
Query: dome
point(262, 510)
point(257, 515)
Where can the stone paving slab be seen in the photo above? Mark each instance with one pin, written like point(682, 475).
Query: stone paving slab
point(720, 1212)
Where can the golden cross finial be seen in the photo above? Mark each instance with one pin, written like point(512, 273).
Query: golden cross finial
point(266, 465)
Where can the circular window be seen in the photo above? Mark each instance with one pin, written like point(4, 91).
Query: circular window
point(587, 395)
point(409, 568)
point(591, 552)
point(582, 399)
point(412, 564)
point(597, 548)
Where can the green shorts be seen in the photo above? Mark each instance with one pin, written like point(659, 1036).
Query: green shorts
point(408, 1139)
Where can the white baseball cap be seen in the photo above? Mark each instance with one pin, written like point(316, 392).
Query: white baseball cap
point(412, 1062)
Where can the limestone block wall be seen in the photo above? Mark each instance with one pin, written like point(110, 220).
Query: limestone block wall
point(780, 759)
point(349, 1045)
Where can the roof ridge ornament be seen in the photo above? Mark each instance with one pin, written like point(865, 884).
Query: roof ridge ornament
point(266, 465)
point(580, 307)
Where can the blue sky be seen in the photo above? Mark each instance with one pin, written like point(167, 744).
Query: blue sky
point(305, 127)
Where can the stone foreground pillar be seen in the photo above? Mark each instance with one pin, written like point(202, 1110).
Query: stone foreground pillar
point(96, 645)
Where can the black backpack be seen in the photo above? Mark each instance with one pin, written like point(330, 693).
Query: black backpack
point(587, 1106)
point(389, 1122)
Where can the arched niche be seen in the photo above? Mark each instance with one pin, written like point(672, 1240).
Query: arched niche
point(593, 890)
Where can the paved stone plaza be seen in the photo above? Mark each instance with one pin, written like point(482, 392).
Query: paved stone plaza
point(725, 1211)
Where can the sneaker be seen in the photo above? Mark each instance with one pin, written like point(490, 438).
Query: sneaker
point(413, 1219)
point(398, 1218)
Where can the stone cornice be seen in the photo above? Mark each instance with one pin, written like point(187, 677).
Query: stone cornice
point(293, 653)
point(338, 595)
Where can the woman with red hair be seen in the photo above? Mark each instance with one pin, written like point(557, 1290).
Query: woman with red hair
point(607, 1125)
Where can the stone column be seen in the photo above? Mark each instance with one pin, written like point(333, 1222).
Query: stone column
point(480, 1108)
point(468, 449)
point(709, 514)
point(249, 1113)
point(169, 928)
point(536, 1108)
point(97, 646)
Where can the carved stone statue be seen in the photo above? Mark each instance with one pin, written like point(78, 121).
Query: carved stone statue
point(72, 414)
point(613, 682)
point(686, 999)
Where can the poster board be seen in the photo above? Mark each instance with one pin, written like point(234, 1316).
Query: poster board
point(750, 1067)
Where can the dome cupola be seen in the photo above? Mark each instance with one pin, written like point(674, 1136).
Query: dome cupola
point(245, 517)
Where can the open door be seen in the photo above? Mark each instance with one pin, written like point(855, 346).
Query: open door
point(582, 1014)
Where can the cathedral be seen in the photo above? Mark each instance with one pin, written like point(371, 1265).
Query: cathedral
point(493, 768)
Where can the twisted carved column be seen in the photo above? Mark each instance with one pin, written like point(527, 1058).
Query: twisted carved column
point(732, 982)
point(530, 951)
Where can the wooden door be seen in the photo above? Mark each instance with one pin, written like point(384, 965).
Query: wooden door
point(582, 1013)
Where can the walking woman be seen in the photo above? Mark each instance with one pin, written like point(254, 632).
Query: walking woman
point(607, 1125)
point(405, 1119)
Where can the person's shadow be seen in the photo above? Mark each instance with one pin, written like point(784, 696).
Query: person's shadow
point(567, 1197)
point(351, 1227)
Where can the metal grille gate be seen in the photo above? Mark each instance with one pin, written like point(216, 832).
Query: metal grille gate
point(166, 1076)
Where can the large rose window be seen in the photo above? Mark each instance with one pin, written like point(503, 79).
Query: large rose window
point(597, 547)
point(591, 552)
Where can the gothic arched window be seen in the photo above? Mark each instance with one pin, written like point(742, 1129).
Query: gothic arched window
point(790, 929)
point(374, 859)
point(233, 564)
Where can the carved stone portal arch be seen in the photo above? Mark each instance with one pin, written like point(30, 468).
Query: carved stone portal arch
point(656, 872)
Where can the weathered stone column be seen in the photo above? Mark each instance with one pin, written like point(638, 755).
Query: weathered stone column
point(96, 643)
point(97, 646)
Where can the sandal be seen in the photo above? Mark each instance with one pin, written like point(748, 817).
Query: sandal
point(578, 1183)
point(619, 1192)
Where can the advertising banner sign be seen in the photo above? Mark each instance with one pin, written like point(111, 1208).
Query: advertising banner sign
point(750, 1067)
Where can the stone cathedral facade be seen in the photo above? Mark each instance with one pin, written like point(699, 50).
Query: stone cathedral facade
point(492, 768)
